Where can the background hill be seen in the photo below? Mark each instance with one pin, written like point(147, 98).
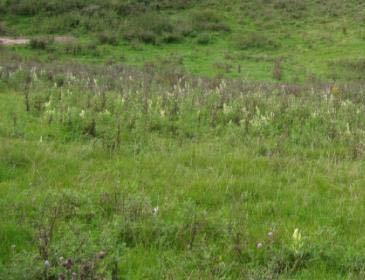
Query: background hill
point(292, 40)
point(182, 140)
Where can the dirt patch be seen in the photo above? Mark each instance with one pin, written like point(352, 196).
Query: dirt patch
point(64, 39)
point(13, 41)
point(6, 41)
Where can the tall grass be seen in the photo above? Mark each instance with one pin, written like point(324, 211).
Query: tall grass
point(116, 173)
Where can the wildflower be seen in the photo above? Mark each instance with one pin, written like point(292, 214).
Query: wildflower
point(335, 91)
point(68, 264)
point(348, 130)
point(155, 211)
point(101, 255)
point(46, 264)
point(270, 234)
point(227, 109)
point(61, 259)
point(259, 245)
point(82, 114)
point(297, 242)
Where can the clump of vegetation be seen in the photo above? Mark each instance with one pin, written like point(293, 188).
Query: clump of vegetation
point(294, 8)
point(255, 40)
point(353, 69)
point(209, 20)
point(204, 39)
point(149, 29)
point(3, 29)
point(108, 38)
point(278, 69)
point(41, 43)
point(153, 28)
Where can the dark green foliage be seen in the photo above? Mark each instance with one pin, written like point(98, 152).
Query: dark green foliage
point(108, 38)
point(3, 29)
point(292, 8)
point(40, 43)
point(255, 40)
point(204, 39)
point(209, 20)
point(152, 28)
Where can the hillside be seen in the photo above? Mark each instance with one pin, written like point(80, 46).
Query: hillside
point(182, 139)
point(292, 41)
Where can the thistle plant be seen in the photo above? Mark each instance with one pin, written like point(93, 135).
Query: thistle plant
point(297, 242)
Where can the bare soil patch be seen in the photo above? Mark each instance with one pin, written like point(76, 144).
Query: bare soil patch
point(13, 41)
point(7, 41)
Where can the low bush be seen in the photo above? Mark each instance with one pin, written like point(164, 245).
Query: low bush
point(173, 37)
point(255, 40)
point(209, 20)
point(152, 29)
point(3, 29)
point(40, 43)
point(108, 38)
point(294, 8)
point(203, 39)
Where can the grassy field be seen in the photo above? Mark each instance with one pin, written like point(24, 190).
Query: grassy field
point(177, 178)
point(182, 140)
point(305, 40)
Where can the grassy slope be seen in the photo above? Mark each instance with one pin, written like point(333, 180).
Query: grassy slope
point(310, 35)
point(224, 172)
point(220, 188)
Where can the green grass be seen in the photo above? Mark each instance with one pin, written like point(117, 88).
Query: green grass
point(182, 140)
point(308, 36)
point(225, 167)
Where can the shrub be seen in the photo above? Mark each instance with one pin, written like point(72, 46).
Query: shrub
point(108, 38)
point(277, 71)
point(23, 8)
point(208, 20)
point(73, 48)
point(203, 39)
point(293, 8)
point(173, 37)
point(152, 29)
point(40, 43)
point(255, 40)
point(148, 37)
point(3, 29)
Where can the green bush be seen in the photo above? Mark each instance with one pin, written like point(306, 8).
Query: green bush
point(292, 8)
point(173, 37)
point(108, 38)
point(74, 48)
point(152, 29)
point(203, 39)
point(209, 20)
point(40, 43)
point(22, 8)
point(3, 29)
point(255, 40)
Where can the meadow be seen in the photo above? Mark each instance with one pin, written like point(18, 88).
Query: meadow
point(135, 175)
point(271, 40)
point(212, 141)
